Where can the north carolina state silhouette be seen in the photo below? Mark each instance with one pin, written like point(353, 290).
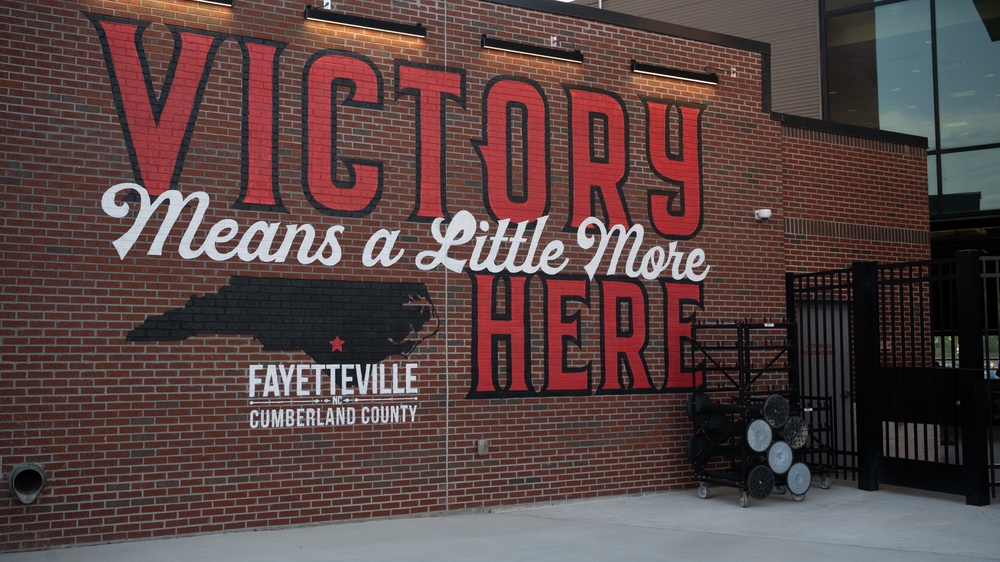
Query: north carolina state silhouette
point(334, 322)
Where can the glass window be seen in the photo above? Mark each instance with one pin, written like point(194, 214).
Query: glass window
point(972, 177)
point(968, 44)
point(852, 74)
point(879, 70)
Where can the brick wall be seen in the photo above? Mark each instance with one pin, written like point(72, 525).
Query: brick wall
point(146, 373)
point(849, 198)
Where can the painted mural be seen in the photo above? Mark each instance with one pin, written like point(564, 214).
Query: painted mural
point(507, 248)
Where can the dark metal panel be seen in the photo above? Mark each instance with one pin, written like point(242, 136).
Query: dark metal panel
point(866, 356)
point(922, 475)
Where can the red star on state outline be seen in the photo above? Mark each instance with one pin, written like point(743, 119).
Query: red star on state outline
point(337, 344)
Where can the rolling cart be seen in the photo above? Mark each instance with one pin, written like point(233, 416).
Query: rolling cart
point(746, 437)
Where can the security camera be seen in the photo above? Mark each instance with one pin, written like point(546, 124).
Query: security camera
point(762, 214)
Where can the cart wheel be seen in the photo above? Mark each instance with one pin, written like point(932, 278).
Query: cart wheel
point(798, 497)
point(780, 489)
point(824, 482)
point(744, 499)
point(702, 490)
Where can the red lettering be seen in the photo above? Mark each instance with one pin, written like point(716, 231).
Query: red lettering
point(675, 214)
point(156, 129)
point(259, 170)
point(678, 330)
point(514, 148)
point(515, 188)
point(598, 133)
point(324, 73)
point(500, 324)
point(625, 335)
point(432, 87)
point(562, 334)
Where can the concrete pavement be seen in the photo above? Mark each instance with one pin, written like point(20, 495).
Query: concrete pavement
point(841, 523)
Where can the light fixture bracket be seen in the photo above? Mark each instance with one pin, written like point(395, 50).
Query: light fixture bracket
point(710, 78)
point(319, 14)
point(488, 42)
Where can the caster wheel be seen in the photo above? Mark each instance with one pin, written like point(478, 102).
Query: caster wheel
point(702, 491)
point(798, 497)
point(780, 489)
point(824, 482)
point(744, 499)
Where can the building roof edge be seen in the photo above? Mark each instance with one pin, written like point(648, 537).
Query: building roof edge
point(851, 130)
point(635, 22)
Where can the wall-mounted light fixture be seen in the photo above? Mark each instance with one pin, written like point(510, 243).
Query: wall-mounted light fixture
point(699, 77)
point(319, 14)
point(533, 50)
point(226, 3)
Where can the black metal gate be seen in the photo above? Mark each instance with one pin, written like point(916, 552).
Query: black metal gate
point(898, 354)
point(820, 305)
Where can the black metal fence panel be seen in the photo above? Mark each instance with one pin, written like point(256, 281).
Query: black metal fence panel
point(990, 275)
point(820, 304)
point(918, 322)
point(897, 371)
